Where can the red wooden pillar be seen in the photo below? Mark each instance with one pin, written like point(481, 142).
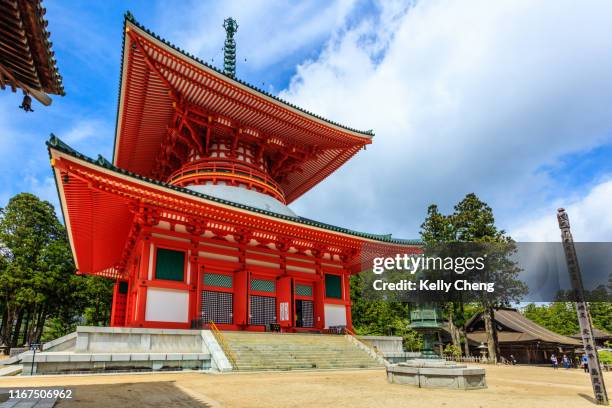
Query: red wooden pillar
point(240, 306)
point(240, 285)
point(129, 302)
point(118, 308)
point(141, 283)
point(194, 275)
point(318, 293)
point(347, 300)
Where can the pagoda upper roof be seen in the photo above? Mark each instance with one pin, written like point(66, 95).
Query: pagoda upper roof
point(26, 58)
point(155, 74)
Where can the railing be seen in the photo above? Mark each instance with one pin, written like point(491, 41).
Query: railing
point(469, 359)
point(380, 355)
point(229, 170)
point(223, 343)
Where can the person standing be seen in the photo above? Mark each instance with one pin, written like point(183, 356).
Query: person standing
point(566, 362)
point(585, 363)
point(554, 361)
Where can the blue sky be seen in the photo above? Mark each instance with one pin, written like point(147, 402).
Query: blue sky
point(511, 100)
point(87, 40)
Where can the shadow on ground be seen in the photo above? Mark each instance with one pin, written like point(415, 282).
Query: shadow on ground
point(130, 395)
point(588, 398)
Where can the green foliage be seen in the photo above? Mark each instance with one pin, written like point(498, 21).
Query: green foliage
point(381, 318)
point(38, 284)
point(437, 227)
point(472, 221)
point(95, 298)
point(561, 317)
point(411, 340)
point(452, 351)
point(605, 357)
point(601, 313)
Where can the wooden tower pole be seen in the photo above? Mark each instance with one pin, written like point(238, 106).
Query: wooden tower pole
point(582, 308)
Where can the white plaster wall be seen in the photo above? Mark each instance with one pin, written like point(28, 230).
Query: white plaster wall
point(167, 305)
point(335, 315)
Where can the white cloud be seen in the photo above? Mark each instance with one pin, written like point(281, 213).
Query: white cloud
point(286, 27)
point(589, 218)
point(44, 189)
point(83, 130)
point(467, 97)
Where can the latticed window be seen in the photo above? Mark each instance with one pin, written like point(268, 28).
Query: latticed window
point(305, 313)
point(303, 290)
point(333, 286)
point(217, 307)
point(262, 285)
point(218, 279)
point(263, 310)
point(170, 265)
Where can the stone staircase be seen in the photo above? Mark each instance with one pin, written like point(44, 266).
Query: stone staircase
point(292, 351)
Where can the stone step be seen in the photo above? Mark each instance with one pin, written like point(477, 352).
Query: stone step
point(273, 351)
point(302, 367)
point(295, 352)
point(303, 358)
point(289, 360)
point(11, 370)
point(284, 338)
point(309, 365)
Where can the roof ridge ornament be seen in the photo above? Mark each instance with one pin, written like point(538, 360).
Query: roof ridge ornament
point(229, 48)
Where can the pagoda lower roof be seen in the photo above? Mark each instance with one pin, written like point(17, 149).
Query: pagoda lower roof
point(97, 199)
point(26, 58)
point(156, 77)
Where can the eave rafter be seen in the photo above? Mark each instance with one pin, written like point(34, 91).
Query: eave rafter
point(199, 122)
point(26, 58)
point(208, 214)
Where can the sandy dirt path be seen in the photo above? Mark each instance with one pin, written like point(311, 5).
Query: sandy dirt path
point(524, 387)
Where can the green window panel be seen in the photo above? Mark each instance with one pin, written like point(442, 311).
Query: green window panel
point(123, 287)
point(262, 285)
point(170, 265)
point(303, 290)
point(217, 279)
point(333, 286)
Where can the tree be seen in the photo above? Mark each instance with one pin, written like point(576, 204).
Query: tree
point(38, 284)
point(601, 314)
point(475, 222)
point(381, 317)
point(472, 221)
point(561, 317)
point(439, 229)
point(28, 227)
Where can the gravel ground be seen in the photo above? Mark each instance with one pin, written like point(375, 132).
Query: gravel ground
point(525, 387)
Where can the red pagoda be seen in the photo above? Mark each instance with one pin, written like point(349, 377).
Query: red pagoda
point(191, 217)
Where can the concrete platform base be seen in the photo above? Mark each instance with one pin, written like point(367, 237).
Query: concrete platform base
point(99, 349)
point(437, 374)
